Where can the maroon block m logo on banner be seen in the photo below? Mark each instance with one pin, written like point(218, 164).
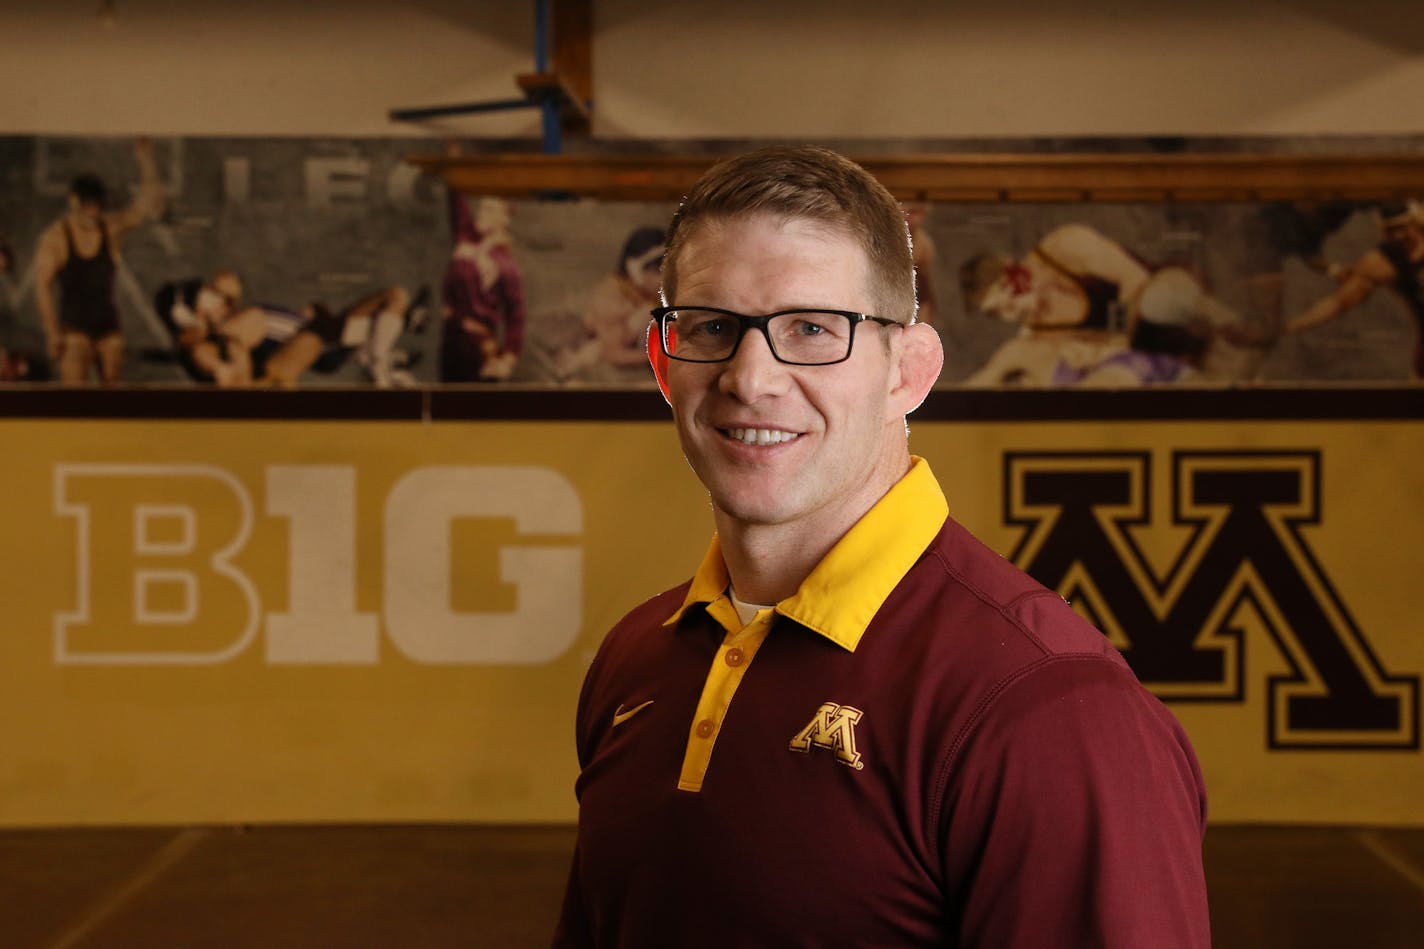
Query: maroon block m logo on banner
point(1241, 563)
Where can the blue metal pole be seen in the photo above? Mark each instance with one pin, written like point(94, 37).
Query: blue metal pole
point(541, 35)
point(553, 142)
point(548, 103)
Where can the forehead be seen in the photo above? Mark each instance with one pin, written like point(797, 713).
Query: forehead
point(772, 262)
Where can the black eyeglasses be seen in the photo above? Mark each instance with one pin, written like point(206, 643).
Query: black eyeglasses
point(795, 337)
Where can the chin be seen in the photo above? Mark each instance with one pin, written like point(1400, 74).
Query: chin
point(752, 516)
point(749, 507)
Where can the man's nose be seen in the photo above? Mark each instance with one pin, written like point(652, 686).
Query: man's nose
point(753, 371)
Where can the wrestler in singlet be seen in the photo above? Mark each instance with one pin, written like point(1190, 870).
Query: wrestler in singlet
point(86, 288)
point(1162, 346)
point(1409, 284)
point(1092, 308)
point(1098, 295)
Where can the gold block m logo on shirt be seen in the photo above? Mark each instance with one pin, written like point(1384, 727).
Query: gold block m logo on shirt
point(832, 728)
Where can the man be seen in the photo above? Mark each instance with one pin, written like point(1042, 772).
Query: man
point(1091, 313)
point(219, 341)
point(80, 253)
point(196, 314)
point(1276, 231)
point(1398, 263)
point(855, 725)
point(483, 294)
point(17, 362)
point(322, 339)
point(615, 323)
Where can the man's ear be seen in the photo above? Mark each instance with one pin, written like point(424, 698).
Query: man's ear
point(657, 359)
point(921, 357)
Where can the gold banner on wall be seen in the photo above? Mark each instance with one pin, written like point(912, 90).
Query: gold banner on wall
point(261, 621)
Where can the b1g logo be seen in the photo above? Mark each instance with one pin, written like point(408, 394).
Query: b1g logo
point(1239, 564)
point(156, 582)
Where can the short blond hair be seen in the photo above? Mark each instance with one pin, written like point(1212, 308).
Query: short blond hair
point(805, 182)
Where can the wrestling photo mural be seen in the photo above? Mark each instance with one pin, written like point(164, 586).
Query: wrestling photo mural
point(315, 262)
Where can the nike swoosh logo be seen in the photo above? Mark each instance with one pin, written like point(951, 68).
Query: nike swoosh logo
point(620, 716)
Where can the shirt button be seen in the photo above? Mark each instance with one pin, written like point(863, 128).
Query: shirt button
point(705, 728)
point(735, 657)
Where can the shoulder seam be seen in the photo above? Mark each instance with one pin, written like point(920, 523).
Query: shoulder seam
point(1003, 609)
point(992, 696)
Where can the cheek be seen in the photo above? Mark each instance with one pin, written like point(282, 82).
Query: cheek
point(850, 409)
point(689, 437)
point(684, 388)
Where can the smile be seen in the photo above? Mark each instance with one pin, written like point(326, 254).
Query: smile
point(759, 436)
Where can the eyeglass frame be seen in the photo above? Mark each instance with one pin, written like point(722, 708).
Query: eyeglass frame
point(746, 323)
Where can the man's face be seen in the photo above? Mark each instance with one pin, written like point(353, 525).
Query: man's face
point(229, 287)
point(89, 210)
point(492, 216)
point(1012, 298)
point(775, 443)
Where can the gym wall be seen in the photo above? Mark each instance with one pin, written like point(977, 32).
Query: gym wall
point(378, 606)
point(355, 605)
point(725, 68)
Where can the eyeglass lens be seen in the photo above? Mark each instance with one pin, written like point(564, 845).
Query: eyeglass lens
point(804, 336)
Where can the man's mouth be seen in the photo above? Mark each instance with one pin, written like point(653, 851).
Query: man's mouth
point(759, 436)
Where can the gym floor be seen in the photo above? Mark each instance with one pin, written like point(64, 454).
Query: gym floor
point(455, 885)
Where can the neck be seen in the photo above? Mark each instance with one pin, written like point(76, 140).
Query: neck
point(768, 562)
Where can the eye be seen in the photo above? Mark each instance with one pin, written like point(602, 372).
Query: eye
point(808, 328)
point(708, 327)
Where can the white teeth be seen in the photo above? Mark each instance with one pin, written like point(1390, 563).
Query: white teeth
point(761, 436)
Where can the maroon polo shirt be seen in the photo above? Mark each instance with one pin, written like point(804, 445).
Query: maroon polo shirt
point(970, 764)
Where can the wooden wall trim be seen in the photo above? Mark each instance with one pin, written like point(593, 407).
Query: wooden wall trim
point(510, 402)
point(961, 178)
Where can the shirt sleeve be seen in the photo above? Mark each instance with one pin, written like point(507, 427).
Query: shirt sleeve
point(1073, 813)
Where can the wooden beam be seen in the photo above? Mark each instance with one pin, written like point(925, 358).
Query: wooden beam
point(537, 84)
point(965, 178)
point(571, 58)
